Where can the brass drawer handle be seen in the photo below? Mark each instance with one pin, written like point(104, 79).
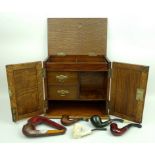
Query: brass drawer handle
point(63, 92)
point(61, 78)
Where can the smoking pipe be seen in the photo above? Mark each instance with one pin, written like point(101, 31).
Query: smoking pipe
point(97, 121)
point(65, 120)
point(30, 130)
point(81, 131)
point(120, 131)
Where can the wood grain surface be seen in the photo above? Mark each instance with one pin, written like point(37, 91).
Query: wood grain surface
point(126, 79)
point(77, 36)
point(26, 89)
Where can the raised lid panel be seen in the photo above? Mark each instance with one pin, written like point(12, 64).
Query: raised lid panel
point(77, 36)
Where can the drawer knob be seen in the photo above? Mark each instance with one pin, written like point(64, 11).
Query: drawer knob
point(61, 78)
point(63, 92)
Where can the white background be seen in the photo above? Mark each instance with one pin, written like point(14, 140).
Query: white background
point(131, 39)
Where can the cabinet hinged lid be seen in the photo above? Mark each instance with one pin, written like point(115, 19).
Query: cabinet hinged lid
point(77, 36)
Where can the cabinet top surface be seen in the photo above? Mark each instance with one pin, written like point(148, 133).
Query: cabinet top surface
point(77, 36)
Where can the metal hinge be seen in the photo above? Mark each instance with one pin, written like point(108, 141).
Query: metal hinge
point(44, 110)
point(43, 72)
point(140, 94)
point(108, 108)
point(10, 92)
point(45, 106)
point(92, 54)
point(13, 114)
point(109, 73)
point(61, 54)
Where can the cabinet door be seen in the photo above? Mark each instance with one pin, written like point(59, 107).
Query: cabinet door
point(25, 89)
point(128, 88)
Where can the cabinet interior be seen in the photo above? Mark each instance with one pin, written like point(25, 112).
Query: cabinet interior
point(87, 92)
point(74, 108)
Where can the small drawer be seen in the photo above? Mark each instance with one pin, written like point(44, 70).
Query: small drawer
point(62, 78)
point(62, 92)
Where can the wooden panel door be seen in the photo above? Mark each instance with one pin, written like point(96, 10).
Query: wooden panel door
point(128, 88)
point(26, 89)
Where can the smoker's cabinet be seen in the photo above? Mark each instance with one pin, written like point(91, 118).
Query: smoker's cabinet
point(77, 78)
point(77, 93)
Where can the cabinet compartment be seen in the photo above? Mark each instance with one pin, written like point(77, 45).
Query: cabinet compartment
point(93, 85)
point(77, 59)
point(77, 63)
point(76, 108)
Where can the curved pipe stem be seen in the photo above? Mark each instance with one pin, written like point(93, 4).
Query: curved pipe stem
point(101, 129)
point(133, 125)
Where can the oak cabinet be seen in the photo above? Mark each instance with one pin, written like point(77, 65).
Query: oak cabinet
point(77, 78)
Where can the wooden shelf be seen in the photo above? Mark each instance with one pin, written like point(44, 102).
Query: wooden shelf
point(92, 95)
point(76, 108)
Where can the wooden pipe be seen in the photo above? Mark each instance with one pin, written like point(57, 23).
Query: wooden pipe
point(65, 120)
point(120, 131)
point(44, 120)
point(97, 121)
point(29, 129)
